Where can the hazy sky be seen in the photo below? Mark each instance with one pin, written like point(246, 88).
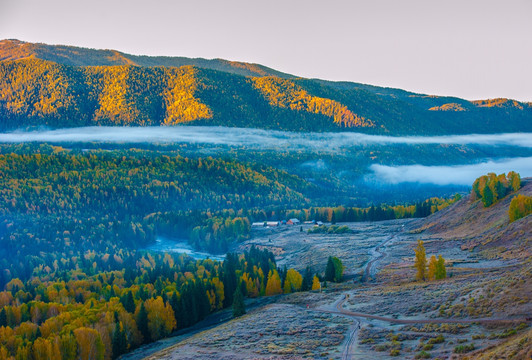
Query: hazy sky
point(467, 48)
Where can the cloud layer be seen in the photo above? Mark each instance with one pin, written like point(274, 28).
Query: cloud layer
point(254, 138)
point(449, 175)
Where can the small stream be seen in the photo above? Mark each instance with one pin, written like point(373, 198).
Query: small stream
point(181, 246)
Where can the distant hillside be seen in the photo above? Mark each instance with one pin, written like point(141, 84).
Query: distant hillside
point(61, 86)
point(485, 229)
point(78, 56)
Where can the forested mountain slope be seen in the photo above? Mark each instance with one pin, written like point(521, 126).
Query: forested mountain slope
point(42, 85)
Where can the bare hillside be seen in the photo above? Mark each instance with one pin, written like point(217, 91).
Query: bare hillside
point(487, 230)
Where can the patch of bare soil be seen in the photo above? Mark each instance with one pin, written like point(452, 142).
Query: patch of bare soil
point(298, 249)
point(278, 331)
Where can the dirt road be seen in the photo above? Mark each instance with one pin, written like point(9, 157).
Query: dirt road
point(376, 255)
point(342, 311)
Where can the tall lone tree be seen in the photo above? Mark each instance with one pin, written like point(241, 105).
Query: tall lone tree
point(329, 270)
point(421, 261)
point(334, 270)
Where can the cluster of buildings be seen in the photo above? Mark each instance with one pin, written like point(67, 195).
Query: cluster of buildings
point(285, 222)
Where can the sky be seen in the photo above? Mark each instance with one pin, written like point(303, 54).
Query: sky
point(474, 49)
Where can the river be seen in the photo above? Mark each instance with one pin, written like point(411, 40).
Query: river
point(163, 244)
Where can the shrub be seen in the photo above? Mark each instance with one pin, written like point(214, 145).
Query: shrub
point(428, 347)
point(437, 340)
point(394, 352)
point(423, 355)
point(462, 349)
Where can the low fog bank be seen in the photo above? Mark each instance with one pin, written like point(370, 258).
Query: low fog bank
point(448, 175)
point(253, 138)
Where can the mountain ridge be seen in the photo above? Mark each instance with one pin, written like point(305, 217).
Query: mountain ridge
point(13, 49)
point(66, 86)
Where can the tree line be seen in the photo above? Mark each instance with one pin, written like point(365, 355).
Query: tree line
point(492, 187)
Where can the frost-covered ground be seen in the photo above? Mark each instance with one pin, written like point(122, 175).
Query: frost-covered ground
point(303, 325)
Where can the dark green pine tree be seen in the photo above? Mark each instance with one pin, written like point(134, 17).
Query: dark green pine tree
point(230, 283)
point(202, 303)
point(239, 308)
point(307, 280)
point(142, 323)
point(176, 307)
point(487, 198)
point(3, 317)
point(330, 271)
point(119, 341)
point(128, 302)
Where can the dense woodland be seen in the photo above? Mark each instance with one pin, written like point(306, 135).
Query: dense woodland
point(100, 306)
point(70, 202)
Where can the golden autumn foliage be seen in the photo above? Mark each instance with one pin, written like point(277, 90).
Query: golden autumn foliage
point(431, 275)
point(293, 281)
point(421, 261)
point(499, 102)
point(316, 285)
point(90, 344)
point(520, 207)
point(286, 94)
point(161, 318)
point(181, 105)
point(273, 286)
point(448, 107)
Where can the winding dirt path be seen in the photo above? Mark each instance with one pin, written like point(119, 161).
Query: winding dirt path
point(340, 310)
point(352, 342)
point(376, 255)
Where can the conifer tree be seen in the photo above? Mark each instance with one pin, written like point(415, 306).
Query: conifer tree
point(239, 308)
point(307, 280)
point(329, 270)
point(128, 302)
point(3, 317)
point(230, 281)
point(142, 323)
point(421, 261)
point(487, 197)
point(176, 307)
point(119, 341)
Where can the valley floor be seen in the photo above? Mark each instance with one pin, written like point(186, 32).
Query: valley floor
point(379, 311)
